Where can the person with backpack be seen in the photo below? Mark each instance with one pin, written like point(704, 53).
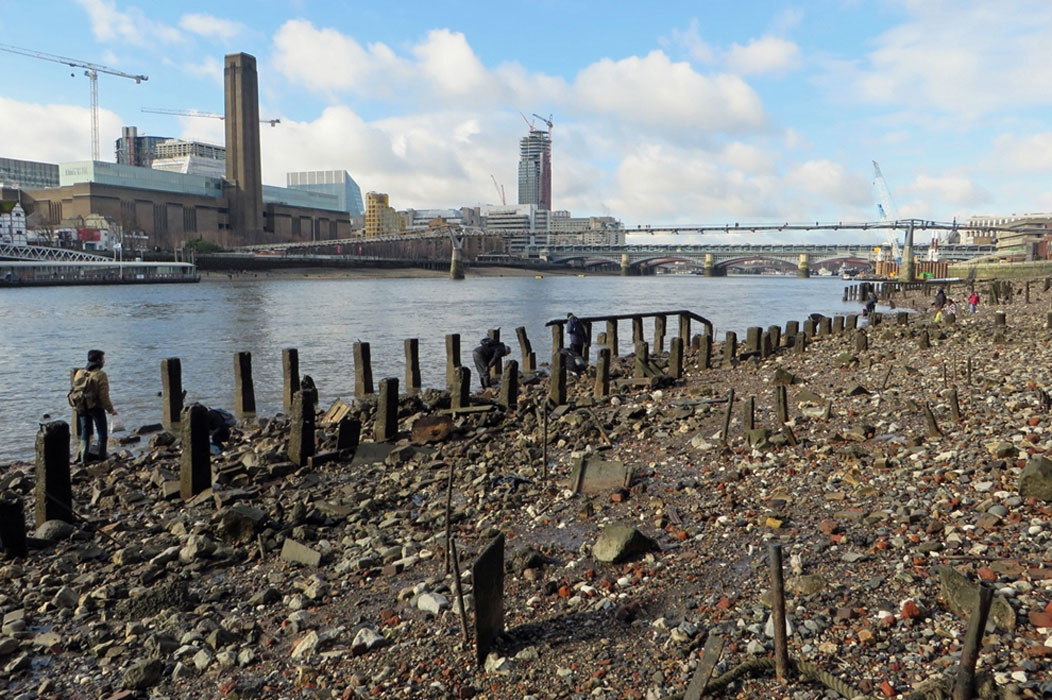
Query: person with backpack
point(488, 354)
point(90, 397)
point(575, 329)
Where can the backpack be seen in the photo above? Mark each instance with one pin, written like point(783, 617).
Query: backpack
point(84, 393)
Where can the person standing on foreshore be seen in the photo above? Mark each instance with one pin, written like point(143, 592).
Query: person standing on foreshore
point(91, 398)
point(575, 329)
point(973, 301)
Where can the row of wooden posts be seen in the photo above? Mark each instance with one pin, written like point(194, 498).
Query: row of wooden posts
point(995, 292)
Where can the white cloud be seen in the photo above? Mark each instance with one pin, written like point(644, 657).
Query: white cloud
point(131, 25)
point(52, 133)
point(211, 26)
point(452, 67)
point(1031, 154)
point(210, 67)
point(765, 55)
point(952, 189)
point(690, 42)
point(748, 158)
point(655, 91)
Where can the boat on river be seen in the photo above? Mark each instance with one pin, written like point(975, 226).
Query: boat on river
point(56, 273)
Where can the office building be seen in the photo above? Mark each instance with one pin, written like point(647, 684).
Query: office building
point(380, 218)
point(27, 174)
point(535, 169)
point(335, 182)
point(133, 149)
point(190, 158)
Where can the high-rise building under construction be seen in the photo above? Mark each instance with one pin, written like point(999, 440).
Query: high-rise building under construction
point(535, 169)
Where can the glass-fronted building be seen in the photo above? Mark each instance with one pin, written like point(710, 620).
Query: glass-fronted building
point(335, 182)
point(27, 174)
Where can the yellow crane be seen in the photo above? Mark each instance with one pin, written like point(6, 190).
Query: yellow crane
point(195, 113)
point(92, 71)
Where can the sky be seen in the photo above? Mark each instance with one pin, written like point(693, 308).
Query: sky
point(664, 113)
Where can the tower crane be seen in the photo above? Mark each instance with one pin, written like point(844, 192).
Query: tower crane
point(500, 190)
point(886, 208)
point(195, 113)
point(92, 71)
point(547, 121)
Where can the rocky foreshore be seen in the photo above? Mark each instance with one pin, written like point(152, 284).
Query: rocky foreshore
point(329, 581)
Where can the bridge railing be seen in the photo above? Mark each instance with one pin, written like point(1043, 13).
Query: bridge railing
point(685, 317)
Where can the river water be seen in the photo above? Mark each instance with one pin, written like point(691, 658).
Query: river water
point(44, 332)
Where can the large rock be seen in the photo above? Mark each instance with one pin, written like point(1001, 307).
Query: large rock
point(1036, 479)
point(143, 674)
point(54, 530)
point(962, 597)
point(619, 542)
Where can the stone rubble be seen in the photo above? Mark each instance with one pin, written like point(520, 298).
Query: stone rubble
point(330, 581)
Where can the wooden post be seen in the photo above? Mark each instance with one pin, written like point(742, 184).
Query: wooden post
point(348, 434)
point(290, 369)
point(602, 374)
point(730, 348)
point(964, 683)
point(171, 393)
point(749, 415)
point(12, 529)
point(775, 332)
point(753, 338)
point(861, 341)
point(557, 338)
point(413, 383)
point(838, 325)
point(800, 342)
point(557, 380)
point(781, 647)
point(611, 337)
point(244, 392)
point(924, 341)
point(529, 360)
point(851, 322)
point(509, 385)
point(195, 460)
point(460, 388)
point(955, 406)
point(727, 416)
point(301, 426)
point(642, 359)
point(705, 352)
point(659, 333)
point(637, 330)
point(453, 356)
point(675, 358)
point(385, 426)
point(933, 427)
point(363, 370)
point(792, 328)
point(494, 371)
point(781, 404)
point(684, 328)
point(54, 491)
point(999, 318)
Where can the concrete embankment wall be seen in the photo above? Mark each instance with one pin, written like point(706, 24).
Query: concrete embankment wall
point(1000, 270)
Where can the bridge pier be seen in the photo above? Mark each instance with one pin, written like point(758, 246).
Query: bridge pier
point(456, 264)
point(803, 267)
point(626, 269)
point(906, 269)
point(710, 265)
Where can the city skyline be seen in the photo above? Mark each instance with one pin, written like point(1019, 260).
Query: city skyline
point(670, 114)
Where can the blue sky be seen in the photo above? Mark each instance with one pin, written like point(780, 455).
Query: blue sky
point(665, 112)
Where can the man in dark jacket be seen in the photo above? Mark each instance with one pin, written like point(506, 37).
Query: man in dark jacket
point(487, 355)
point(575, 329)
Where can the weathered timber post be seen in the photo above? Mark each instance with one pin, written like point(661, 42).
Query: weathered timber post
point(557, 380)
point(766, 348)
point(301, 427)
point(290, 370)
point(659, 333)
point(902, 318)
point(54, 492)
point(775, 332)
point(684, 328)
point(413, 383)
point(363, 369)
point(12, 529)
point(460, 388)
point(642, 361)
point(586, 351)
point(781, 403)
point(494, 371)
point(809, 329)
point(825, 326)
point(999, 318)
point(781, 648)
point(730, 348)
point(924, 342)
point(385, 426)
point(704, 351)
point(851, 322)
point(602, 374)
point(838, 325)
point(955, 406)
point(453, 356)
point(611, 336)
point(792, 329)
point(964, 683)
point(933, 427)
point(800, 343)
point(487, 576)
point(348, 434)
point(637, 329)
point(509, 385)
point(244, 391)
point(749, 415)
point(557, 338)
point(529, 360)
point(753, 339)
point(727, 417)
point(195, 459)
point(171, 393)
point(861, 341)
point(675, 358)
point(1026, 297)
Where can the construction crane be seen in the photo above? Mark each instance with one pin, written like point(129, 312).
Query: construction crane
point(195, 113)
point(887, 211)
point(547, 121)
point(92, 71)
point(500, 190)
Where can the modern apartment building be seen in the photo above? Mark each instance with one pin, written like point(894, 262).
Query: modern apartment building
point(535, 169)
point(337, 182)
point(132, 149)
point(380, 218)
